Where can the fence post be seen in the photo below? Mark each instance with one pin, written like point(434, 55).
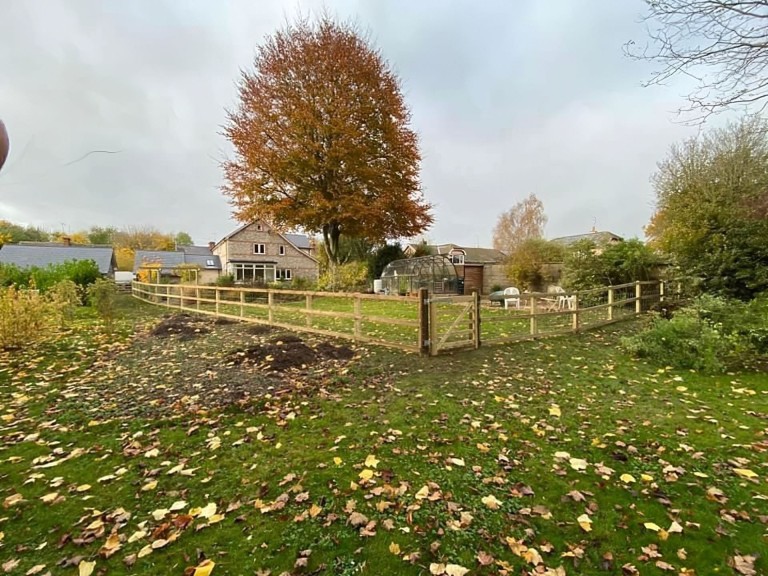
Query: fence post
point(423, 304)
point(638, 296)
point(610, 302)
point(218, 298)
point(534, 327)
point(242, 303)
point(476, 319)
point(197, 297)
point(309, 307)
point(270, 305)
point(432, 329)
point(358, 318)
point(661, 290)
point(576, 312)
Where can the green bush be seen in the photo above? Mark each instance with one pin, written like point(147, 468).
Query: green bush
point(349, 277)
point(713, 334)
point(102, 295)
point(81, 272)
point(67, 297)
point(225, 280)
point(26, 316)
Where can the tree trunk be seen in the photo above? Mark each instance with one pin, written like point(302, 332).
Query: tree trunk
point(331, 235)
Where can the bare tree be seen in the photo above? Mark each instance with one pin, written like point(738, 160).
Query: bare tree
point(525, 220)
point(722, 44)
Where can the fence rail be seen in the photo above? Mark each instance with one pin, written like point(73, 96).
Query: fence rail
point(386, 320)
point(428, 323)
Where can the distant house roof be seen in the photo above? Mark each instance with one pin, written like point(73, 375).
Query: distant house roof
point(42, 254)
point(599, 238)
point(299, 240)
point(170, 260)
point(471, 255)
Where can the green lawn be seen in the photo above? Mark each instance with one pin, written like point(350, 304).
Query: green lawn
point(147, 455)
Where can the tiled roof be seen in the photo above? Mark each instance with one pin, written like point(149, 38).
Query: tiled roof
point(170, 260)
point(43, 254)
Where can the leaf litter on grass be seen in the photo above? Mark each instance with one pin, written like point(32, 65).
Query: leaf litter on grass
point(456, 465)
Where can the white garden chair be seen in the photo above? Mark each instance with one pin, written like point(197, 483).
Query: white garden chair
point(564, 301)
point(511, 296)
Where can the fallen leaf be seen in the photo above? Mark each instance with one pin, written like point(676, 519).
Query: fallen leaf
point(491, 502)
point(371, 461)
point(627, 478)
point(394, 548)
point(204, 568)
point(585, 522)
point(85, 568)
point(652, 526)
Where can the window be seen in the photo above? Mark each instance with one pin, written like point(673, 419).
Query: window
point(457, 258)
point(258, 227)
point(259, 249)
point(281, 250)
point(210, 263)
point(283, 274)
point(287, 274)
point(246, 273)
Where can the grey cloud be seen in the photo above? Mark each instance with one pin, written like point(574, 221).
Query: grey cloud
point(508, 98)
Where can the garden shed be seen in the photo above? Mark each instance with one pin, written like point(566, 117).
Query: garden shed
point(435, 273)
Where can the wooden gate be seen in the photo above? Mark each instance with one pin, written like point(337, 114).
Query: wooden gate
point(454, 322)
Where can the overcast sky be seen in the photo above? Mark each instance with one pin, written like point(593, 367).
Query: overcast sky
point(508, 98)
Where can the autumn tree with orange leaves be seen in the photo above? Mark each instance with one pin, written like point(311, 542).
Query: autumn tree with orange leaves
point(322, 139)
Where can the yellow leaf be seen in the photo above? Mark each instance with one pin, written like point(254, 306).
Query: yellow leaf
point(646, 478)
point(314, 510)
point(455, 570)
point(83, 488)
point(204, 568)
point(744, 473)
point(578, 463)
point(366, 474)
point(585, 522)
point(562, 455)
point(208, 510)
point(422, 493)
point(151, 485)
point(554, 410)
point(178, 505)
point(456, 461)
point(371, 461)
point(48, 498)
point(160, 513)
point(12, 500)
point(138, 535)
point(491, 502)
point(675, 528)
point(652, 526)
point(146, 551)
point(85, 568)
point(627, 478)
point(394, 548)
point(338, 461)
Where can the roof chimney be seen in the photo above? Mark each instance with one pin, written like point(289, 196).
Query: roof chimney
point(211, 246)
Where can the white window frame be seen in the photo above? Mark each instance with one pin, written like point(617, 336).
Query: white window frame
point(281, 250)
point(252, 273)
point(210, 263)
point(457, 258)
point(259, 248)
point(287, 274)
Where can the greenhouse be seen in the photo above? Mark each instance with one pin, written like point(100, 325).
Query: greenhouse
point(435, 273)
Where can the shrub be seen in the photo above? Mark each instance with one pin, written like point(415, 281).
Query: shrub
point(102, 295)
point(349, 277)
point(67, 297)
point(81, 272)
point(711, 335)
point(225, 280)
point(25, 316)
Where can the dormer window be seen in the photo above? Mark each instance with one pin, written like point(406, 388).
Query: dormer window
point(456, 256)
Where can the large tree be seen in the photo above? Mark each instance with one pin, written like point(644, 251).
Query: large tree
point(524, 221)
point(322, 139)
point(721, 44)
point(712, 208)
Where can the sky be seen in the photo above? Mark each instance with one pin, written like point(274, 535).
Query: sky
point(115, 108)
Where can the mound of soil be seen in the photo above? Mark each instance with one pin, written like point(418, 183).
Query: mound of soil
point(184, 325)
point(287, 352)
point(258, 329)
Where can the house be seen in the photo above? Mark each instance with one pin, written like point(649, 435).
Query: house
point(189, 263)
point(600, 239)
point(43, 254)
point(257, 253)
point(481, 268)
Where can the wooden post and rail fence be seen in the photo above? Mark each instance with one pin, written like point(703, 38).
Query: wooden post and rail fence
point(425, 323)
